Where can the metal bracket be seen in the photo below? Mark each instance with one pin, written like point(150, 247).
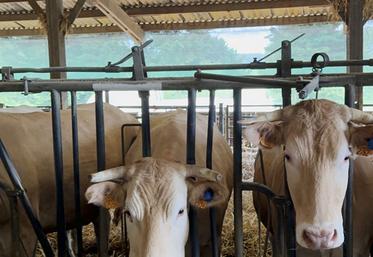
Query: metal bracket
point(6, 73)
point(25, 85)
point(306, 87)
point(128, 56)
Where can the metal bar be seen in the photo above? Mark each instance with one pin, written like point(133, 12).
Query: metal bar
point(139, 74)
point(237, 174)
point(221, 118)
point(276, 82)
point(58, 165)
point(123, 141)
point(191, 159)
point(75, 139)
point(334, 80)
point(348, 214)
point(103, 234)
point(24, 200)
point(285, 70)
point(254, 65)
point(347, 205)
point(15, 228)
point(209, 151)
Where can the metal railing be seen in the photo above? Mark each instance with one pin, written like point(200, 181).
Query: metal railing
point(210, 82)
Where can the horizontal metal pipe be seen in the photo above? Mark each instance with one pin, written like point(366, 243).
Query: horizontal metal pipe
point(274, 82)
point(168, 83)
point(253, 65)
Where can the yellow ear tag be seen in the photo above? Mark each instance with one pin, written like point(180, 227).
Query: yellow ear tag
point(201, 204)
point(110, 203)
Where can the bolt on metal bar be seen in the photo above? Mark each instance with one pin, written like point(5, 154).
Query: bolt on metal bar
point(77, 195)
point(191, 159)
point(58, 164)
point(24, 200)
point(237, 173)
point(209, 151)
point(103, 234)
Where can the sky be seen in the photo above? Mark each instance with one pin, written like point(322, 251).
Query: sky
point(245, 40)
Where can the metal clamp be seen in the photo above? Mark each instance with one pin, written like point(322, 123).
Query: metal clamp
point(6, 73)
point(318, 66)
point(25, 85)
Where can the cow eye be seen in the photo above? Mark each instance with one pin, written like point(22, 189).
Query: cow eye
point(128, 215)
point(181, 212)
point(287, 157)
point(347, 157)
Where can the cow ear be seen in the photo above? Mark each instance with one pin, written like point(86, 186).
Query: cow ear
point(109, 195)
point(264, 134)
point(206, 187)
point(361, 139)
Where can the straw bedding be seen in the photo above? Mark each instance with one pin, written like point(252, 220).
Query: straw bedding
point(250, 227)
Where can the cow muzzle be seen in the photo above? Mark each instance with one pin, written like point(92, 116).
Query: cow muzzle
point(319, 238)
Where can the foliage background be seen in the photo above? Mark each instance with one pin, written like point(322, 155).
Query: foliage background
point(178, 48)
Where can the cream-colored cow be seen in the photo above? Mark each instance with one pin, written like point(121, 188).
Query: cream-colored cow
point(320, 137)
point(28, 139)
point(154, 192)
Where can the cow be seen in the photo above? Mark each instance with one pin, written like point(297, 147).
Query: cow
point(311, 144)
point(28, 139)
point(154, 191)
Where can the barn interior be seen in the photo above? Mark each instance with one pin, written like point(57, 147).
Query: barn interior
point(56, 19)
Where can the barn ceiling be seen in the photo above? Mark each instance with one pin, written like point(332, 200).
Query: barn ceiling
point(17, 17)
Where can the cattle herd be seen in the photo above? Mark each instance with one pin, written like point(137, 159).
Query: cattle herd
point(306, 151)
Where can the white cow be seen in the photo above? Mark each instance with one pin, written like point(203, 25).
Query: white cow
point(154, 192)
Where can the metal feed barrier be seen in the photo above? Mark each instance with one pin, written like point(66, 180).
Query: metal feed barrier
point(284, 242)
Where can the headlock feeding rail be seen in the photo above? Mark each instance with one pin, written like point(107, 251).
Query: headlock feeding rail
point(284, 242)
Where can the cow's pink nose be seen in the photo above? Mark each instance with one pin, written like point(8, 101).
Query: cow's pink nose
point(320, 239)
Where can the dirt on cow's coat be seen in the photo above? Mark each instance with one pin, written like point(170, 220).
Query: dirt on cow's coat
point(253, 243)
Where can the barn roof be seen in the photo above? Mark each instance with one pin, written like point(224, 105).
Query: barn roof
point(17, 17)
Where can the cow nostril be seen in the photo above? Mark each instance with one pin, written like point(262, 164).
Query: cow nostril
point(334, 237)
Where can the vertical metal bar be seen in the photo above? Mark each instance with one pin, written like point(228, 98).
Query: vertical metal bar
point(140, 74)
point(227, 134)
point(145, 121)
point(107, 97)
point(15, 229)
point(221, 118)
point(347, 205)
point(285, 70)
point(58, 164)
point(237, 173)
point(16, 181)
point(350, 95)
point(210, 138)
point(100, 141)
point(290, 230)
point(347, 221)
point(75, 139)
point(191, 159)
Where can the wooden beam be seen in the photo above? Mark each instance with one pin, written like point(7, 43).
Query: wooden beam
point(116, 14)
point(74, 13)
point(355, 41)
point(179, 26)
point(38, 11)
point(176, 9)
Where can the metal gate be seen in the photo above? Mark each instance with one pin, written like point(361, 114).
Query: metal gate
point(284, 242)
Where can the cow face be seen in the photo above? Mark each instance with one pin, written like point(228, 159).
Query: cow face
point(154, 195)
point(319, 140)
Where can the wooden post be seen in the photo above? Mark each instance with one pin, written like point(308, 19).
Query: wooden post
point(56, 40)
point(355, 24)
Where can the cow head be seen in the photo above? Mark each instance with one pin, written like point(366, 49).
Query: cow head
point(319, 137)
point(154, 195)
